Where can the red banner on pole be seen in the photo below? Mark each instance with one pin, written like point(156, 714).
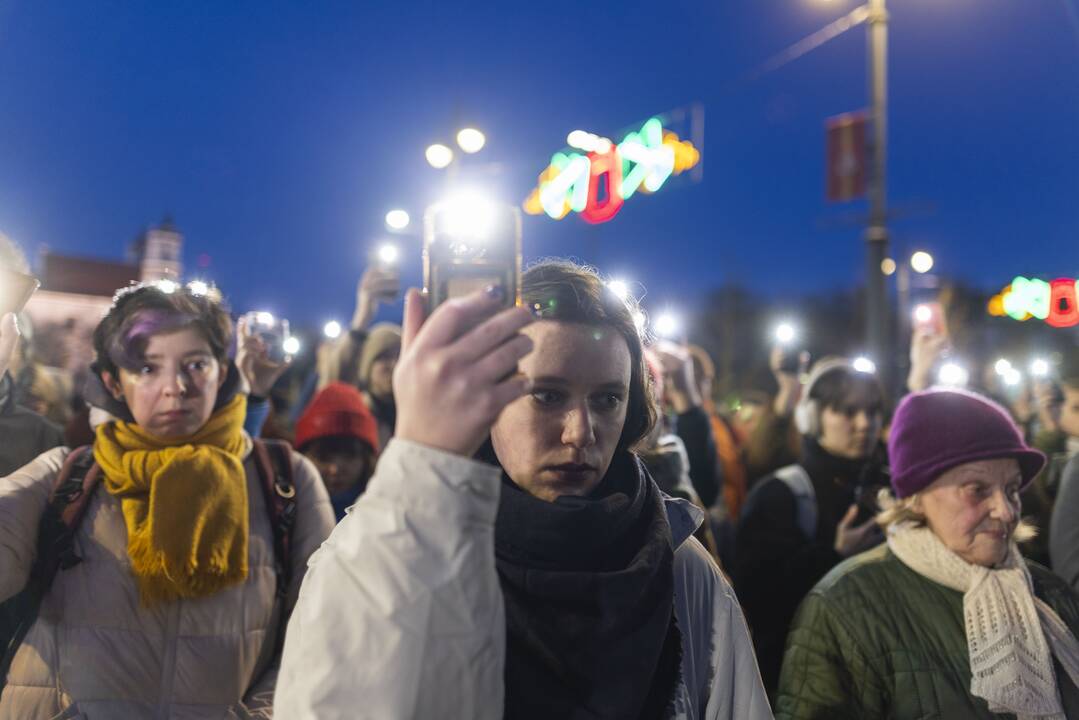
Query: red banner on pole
point(847, 158)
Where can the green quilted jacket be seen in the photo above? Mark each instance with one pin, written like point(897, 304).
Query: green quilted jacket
point(874, 639)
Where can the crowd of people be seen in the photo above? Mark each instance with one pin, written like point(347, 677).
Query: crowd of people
point(530, 510)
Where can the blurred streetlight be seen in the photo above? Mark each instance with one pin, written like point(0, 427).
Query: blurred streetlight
point(921, 262)
point(397, 219)
point(887, 266)
point(439, 156)
point(471, 140)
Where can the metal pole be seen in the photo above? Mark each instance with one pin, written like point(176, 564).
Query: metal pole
point(877, 232)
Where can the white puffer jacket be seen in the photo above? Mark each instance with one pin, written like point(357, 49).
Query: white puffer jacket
point(95, 653)
point(401, 613)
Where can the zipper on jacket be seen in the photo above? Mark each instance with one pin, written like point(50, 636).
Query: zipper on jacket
point(168, 667)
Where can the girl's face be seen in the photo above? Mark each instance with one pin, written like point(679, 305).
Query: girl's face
point(974, 509)
point(560, 439)
point(173, 391)
point(850, 432)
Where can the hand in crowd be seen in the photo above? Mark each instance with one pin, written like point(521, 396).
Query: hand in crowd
point(790, 383)
point(9, 340)
point(679, 384)
point(457, 369)
point(377, 285)
point(926, 350)
point(851, 539)
point(258, 371)
point(1047, 402)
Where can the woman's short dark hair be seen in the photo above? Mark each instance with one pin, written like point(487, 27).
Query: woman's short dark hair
point(149, 309)
point(563, 290)
point(845, 389)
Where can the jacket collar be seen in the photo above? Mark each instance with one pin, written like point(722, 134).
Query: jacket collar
point(684, 518)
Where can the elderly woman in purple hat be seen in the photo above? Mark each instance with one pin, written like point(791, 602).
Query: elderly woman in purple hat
point(946, 620)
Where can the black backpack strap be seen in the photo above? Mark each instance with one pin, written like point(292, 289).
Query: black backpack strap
point(68, 500)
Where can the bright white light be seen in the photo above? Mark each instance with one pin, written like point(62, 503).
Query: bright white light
point(923, 314)
point(785, 333)
point(291, 346)
point(264, 318)
point(167, 286)
point(864, 365)
point(397, 219)
point(332, 329)
point(198, 288)
point(1003, 367)
point(640, 320)
point(471, 140)
point(439, 156)
point(887, 266)
point(921, 261)
point(388, 254)
point(1013, 377)
point(619, 288)
point(953, 374)
point(469, 215)
point(667, 325)
point(1039, 368)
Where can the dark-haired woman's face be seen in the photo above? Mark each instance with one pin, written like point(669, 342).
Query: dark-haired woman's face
point(173, 391)
point(850, 432)
point(560, 439)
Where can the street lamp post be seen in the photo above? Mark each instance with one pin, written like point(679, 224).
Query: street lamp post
point(877, 318)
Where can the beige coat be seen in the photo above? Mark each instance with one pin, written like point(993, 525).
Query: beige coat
point(95, 653)
point(401, 615)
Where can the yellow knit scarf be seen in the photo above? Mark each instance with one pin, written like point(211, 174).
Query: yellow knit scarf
point(184, 502)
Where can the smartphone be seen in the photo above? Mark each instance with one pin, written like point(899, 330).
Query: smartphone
point(273, 331)
point(468, 246)
point(15, 290)
point(929, 317)
point(386, 257)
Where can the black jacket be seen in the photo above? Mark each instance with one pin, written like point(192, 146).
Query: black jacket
point(23, 434)
point(775, 564)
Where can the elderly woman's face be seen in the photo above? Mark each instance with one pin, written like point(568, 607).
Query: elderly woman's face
point(172, 393)
point(974, 509)
point(560, 439)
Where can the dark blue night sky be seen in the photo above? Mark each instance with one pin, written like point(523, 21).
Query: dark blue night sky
point(278, 134)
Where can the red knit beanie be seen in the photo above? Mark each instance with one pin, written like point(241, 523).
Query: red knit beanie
point(338, 410)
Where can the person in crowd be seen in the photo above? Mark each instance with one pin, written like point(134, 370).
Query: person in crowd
point(340, 436)
point(1058, 438)
point(803, 520)
point(366, 355)
point(170, 608)
point(24, 433)
point(686, 415)
point(511, 558)
point(48, 391)
point(728, 446)
point(774, 441)
point(1064, 530)
point(947, 620)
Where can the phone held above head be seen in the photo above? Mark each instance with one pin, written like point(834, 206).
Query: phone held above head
point(15, 290)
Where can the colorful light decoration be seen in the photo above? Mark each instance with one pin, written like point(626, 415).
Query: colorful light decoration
point(596, 182)
point(1055, 302)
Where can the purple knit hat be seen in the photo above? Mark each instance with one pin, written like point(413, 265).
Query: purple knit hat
point(936, 430)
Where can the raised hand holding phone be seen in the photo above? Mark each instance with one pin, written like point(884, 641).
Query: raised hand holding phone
point(458, 369)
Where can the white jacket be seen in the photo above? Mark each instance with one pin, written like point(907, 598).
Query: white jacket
point(401, 615)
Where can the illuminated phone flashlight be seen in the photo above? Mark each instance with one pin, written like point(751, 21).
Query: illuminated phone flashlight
point(619, 288)
point(923, 314)
point(667, 325)
point(388, 254)
point(264, 318)
point(1039, 368)
point(332, 329)
point(953, 374)
point(785, 333)
point(469, 216)
point(291, 345)
point(1012, 377)
point(1002, 367)
point(863, 364)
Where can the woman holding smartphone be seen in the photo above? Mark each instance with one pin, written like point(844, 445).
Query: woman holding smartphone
point(167, 606)
point(511, 556)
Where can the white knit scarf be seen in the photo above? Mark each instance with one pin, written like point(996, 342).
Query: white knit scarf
point(1010, 632)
